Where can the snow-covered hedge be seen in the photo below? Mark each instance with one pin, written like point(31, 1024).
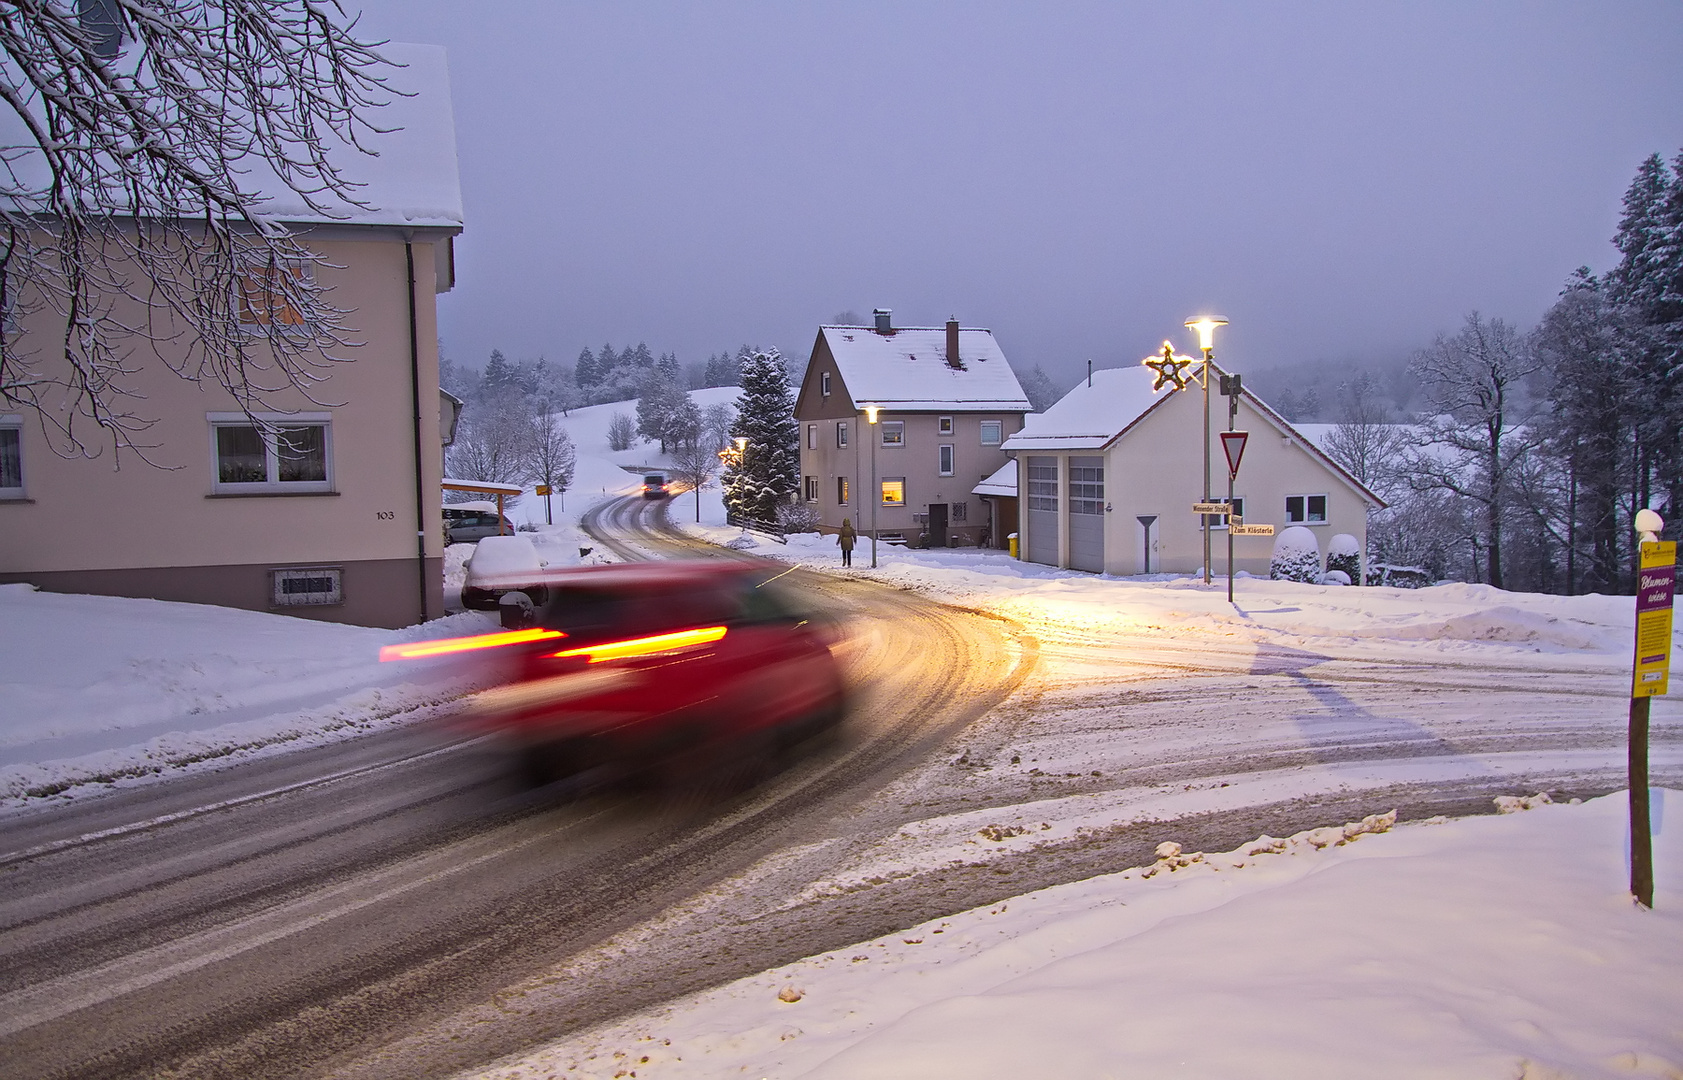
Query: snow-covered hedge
point(797, 517)
point(1297, 556)
point(1345, 553)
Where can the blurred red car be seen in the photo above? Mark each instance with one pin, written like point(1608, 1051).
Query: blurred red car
point(669, 666)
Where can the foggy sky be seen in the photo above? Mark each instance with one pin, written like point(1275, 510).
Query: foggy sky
point(1339, 180)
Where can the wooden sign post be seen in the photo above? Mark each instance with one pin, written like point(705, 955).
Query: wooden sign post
point(1656, 578)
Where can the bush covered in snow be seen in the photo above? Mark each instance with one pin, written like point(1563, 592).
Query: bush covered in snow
point(1345, 554)
point(797, 517)
point(1297, 556)
point(1335, 577)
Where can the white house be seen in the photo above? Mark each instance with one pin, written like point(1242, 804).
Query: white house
point(1110, 473)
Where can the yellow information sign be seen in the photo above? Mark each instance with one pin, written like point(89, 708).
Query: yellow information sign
point(1656, 578)
point(543, 489)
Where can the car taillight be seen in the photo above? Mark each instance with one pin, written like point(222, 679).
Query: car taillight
point(644, 646)
point(417, 650)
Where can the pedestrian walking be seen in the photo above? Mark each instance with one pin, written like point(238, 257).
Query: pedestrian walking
point(845, 538)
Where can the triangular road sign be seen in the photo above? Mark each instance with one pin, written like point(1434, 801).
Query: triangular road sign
point(1233, 444)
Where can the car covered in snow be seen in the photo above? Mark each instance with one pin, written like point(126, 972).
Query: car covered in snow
point(669, 668)
point(499, 565)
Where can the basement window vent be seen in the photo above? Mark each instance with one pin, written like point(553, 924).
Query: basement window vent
point(309, 585)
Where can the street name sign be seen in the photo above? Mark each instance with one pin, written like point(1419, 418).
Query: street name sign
point(1250, 530)
point(543, 489)
point(1656, 580)
point(1209, 508)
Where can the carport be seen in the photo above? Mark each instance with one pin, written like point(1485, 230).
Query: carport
point(485, 487)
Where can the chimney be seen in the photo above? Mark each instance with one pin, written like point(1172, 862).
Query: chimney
point(952, 344)
point(882, 315)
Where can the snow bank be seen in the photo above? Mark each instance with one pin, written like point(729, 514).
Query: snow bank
point(1485, 947)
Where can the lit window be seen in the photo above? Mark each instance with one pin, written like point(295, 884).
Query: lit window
point(946, 459)
point(11, 457)
point(280, 453)
point(268, 296)
point(992, 433)
point(944, 425)
point(841, 434)
point(894, 491)
point(1306, 509)
point(812, 436)
point(824, 383)
point(841, 491)
point(812, 489)
point(893, 432)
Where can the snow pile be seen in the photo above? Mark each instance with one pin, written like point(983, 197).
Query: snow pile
point(102, 689)
point(1484, 947)
point(1297, 556)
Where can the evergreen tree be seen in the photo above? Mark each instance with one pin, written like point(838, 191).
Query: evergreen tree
point(768, 472)
point(659, 400)
point(586, 373)
point(500, 377)
point(640, 357)
point(723, 370)
point(1039, 389)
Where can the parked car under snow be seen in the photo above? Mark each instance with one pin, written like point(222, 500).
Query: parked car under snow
point(503, 564)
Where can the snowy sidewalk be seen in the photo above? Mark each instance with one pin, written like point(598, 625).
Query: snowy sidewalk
point(1490, 947)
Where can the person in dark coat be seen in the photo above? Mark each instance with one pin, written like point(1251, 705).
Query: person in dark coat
point(845, 538)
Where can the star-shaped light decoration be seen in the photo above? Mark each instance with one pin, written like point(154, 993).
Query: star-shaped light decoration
point(1170, 367)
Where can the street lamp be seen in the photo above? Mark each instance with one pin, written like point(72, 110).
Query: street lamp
point(873, 494)
point(1206, 325)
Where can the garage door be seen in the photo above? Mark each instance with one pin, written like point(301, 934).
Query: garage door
point(1043, 510)
point(1086, 513)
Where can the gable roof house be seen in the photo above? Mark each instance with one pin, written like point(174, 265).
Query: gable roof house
point(328, 506)
point(946, 401)
point(1111, 471)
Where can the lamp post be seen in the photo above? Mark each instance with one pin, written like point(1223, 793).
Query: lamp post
point(1206, 325)
point(873, 494)
point(741, 460)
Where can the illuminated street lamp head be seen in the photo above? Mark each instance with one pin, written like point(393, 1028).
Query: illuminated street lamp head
point(741, 444)
point(870, 414)
point(1206, 326)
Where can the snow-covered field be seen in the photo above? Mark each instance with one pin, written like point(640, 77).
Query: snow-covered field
point(1489, 947)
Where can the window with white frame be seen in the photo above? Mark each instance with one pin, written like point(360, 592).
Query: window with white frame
point(946, 459)
point(944, 425)
point(893, 432)
point(11, 457)
point(841, 435)
point(1306, 509)
point(279, 453)
point(812, 436)
point(1219, 521)
point(812, 489)
point(894, 491)
point(824, 383)
point(993, 432)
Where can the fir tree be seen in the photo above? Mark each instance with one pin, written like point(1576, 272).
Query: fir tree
point(1039, 389)
point(640, 357)
point(768, 472)
point(585, 372)
point(659, 400)
point(500, 377)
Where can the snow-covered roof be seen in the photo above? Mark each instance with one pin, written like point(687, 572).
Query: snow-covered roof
point(1097, 413)
point(1091, 415)
point(1002, 482)
point(414, 181)
point(907, 369)
point(410, 180)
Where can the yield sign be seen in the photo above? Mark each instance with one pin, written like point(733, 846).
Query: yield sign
point(1233, 444)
